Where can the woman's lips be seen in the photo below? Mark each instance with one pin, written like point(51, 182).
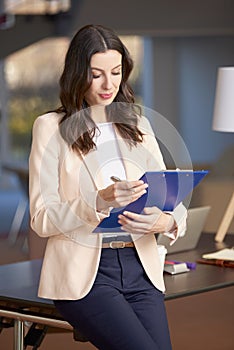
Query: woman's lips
point(105, 96)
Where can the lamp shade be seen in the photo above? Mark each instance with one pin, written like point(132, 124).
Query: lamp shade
point(223, 118)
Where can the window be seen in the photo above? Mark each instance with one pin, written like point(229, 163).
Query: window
point(32, 76)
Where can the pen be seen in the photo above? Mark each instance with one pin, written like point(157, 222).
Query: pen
point(217, 262)
point(115, 178)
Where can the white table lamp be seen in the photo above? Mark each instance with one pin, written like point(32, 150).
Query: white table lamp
point(223, 120)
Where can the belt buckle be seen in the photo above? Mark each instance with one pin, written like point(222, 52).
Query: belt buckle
point(117, 244)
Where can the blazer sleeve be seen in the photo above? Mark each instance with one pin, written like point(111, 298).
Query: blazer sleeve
point(50, 215)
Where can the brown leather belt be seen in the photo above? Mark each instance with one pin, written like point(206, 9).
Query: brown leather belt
point(118, 244)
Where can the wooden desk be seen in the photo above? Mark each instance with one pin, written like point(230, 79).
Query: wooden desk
point(19, 284)
point(206, 277)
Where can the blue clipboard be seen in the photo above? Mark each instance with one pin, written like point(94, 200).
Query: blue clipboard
point(166, 190)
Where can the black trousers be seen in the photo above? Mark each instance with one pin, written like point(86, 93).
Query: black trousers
point(123, 310)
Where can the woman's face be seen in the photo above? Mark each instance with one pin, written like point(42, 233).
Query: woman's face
point(107, 75)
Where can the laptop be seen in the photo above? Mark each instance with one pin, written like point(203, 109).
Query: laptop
point(195, 223)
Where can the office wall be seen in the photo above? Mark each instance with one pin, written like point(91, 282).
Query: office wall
point(199, 59)
point(159, 17)
point(185, 72)
point(183, 80)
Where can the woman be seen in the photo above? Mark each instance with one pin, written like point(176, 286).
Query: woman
point(109, 286)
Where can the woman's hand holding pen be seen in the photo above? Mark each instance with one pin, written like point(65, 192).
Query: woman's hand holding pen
point(120, 194)
point(152, 221)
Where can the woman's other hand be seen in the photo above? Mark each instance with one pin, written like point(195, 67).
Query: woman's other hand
point(152, 221)
point(120, 194)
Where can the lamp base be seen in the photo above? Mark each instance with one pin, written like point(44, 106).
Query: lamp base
point(226, 221)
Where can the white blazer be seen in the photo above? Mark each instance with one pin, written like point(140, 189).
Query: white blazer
point(63, 187)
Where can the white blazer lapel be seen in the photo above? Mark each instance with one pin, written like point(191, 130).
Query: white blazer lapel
point(93, 168)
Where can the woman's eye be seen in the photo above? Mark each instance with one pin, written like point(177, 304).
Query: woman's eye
point(116, 73)
point(95, 76)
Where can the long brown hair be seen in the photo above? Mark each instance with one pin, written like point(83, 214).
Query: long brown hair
point(76, 126)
